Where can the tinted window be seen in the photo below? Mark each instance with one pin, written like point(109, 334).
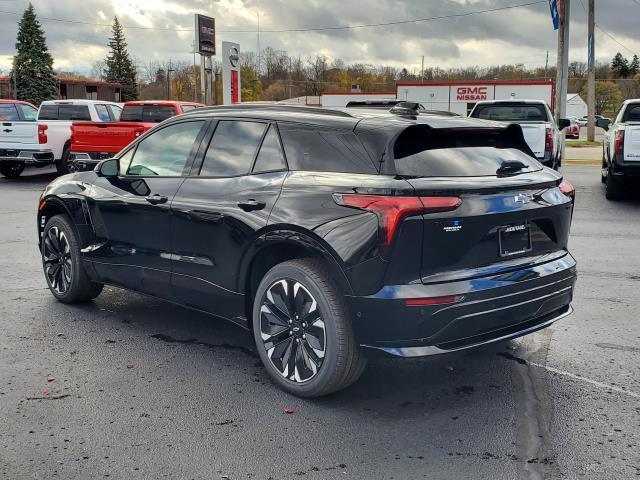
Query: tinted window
point(103, 113)
point(8, 113)
point(324, 150)
point(270, 157)
point(232, 148)
point(166, 151)
point(147, 113)
point(64, 112)
point(28, 111)
point(48, 112)
point(632, 113)
point(511, 113)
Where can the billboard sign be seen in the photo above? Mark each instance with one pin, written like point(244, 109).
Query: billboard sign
point(230, 73)
point(205, 35)
point(471, 94)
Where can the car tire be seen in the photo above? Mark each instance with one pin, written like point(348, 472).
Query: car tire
point(11, 169)
point(301, 323)
point(62, 263)
point(603, 170)
point(614, 189)
point(63, 166)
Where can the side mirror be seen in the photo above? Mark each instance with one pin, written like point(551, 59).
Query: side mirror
point(603, 123)
point(564, 123)
point(109, 168)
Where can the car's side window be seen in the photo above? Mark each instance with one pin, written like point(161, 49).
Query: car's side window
point(115, 111)
point(125, 161)
point(166, 151)
point(8, 113)
point(270, 158)
point(321, 149)
point(103, 113)
point(232, 148)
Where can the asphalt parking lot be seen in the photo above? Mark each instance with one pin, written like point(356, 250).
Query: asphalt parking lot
point(144, 389)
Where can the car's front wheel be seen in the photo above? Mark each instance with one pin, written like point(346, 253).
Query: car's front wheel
point(62, 264)
point(303, 331)
point(11, 169)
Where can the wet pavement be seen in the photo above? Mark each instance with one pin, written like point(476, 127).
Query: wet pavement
point(142, 389)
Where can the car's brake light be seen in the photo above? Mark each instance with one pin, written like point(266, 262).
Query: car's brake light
point(391, 210)
point(619, 142)
point(568, 189)
point(42, 135)
point(426, 302)
point(548, 144)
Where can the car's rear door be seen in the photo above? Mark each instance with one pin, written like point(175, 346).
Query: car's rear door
point(131, 214)
point(220, 210)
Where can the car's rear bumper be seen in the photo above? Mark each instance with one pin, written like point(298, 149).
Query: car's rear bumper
point(478, 311)
point(30, 157)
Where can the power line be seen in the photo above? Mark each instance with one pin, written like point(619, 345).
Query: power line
point(298, 30)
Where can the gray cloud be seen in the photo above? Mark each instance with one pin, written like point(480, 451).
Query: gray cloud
point(510, 36)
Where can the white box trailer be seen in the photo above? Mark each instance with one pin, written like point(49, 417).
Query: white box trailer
point(340, 99)
point(460, 97)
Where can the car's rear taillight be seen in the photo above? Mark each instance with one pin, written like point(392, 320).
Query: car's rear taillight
point(568, 189)
point(619, 143)
point(391, 210)
point(548, 142)
point(42, 135)
point(427, 302)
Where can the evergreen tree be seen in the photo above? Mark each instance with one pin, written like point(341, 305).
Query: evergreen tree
point(32, 71)
point(118, 65)
point(634, 66)
point(620, 66)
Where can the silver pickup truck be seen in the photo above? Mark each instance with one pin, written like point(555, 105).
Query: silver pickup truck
point(536, 120)
point(621, 150)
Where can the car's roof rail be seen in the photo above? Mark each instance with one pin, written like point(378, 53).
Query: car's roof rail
point(275, 107)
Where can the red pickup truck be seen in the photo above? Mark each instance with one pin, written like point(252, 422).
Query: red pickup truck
point(92, 142)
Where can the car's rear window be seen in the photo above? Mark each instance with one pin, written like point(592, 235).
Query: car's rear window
point(425, 152)
point(511, 113)
point(147, 113)
point(632, 113)
point(64, 112)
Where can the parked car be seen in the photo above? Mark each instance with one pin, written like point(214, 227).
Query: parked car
point(621, 150)
point(326, 234)
point(538, 125)
point(92, 142)
point(600, 120)
point(21, 139)
point(573, 130)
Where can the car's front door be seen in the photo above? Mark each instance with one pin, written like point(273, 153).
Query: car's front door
point(131, 214)
point(220, 210)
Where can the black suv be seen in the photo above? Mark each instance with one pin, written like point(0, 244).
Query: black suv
point(325, 233)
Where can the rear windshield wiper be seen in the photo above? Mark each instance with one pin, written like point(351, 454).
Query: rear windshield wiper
point(510, 166)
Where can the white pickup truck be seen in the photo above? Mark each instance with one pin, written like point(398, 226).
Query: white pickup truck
point(540, 131)
point(621, 150)
point(48, 139)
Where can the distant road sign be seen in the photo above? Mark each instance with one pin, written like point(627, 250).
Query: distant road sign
point(555, 15)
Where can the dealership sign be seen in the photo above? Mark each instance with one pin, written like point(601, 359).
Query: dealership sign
point(205, 35)
point(231, 73)
point(471, 94)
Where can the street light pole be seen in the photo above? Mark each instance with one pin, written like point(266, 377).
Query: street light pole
point(562, 75)
point(591, 78)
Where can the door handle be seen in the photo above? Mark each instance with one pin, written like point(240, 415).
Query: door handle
point(251, 205)
point(156, 199)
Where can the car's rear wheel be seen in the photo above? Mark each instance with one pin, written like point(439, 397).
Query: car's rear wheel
point(614, 189)
point(65, 165)
point(303, 331)
point(62, 264)
point(11, 169)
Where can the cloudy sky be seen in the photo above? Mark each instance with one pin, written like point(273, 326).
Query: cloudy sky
point(162, 29)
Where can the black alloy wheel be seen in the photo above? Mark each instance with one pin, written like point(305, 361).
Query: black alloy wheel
point(11, 169)
point(62, 263)
point(303, 332)
point(56, 258)
point(293, 331)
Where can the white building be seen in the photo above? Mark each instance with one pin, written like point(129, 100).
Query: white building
point(576, 106)
point(460, 97)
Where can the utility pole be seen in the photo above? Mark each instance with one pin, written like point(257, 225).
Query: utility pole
point(546, 65)
point(591, 78)
point(562, 75)
point(422, 70)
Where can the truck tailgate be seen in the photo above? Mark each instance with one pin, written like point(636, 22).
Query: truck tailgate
point(18, 133)
point(632, 143)
point(534, 134)
point(105, 136)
